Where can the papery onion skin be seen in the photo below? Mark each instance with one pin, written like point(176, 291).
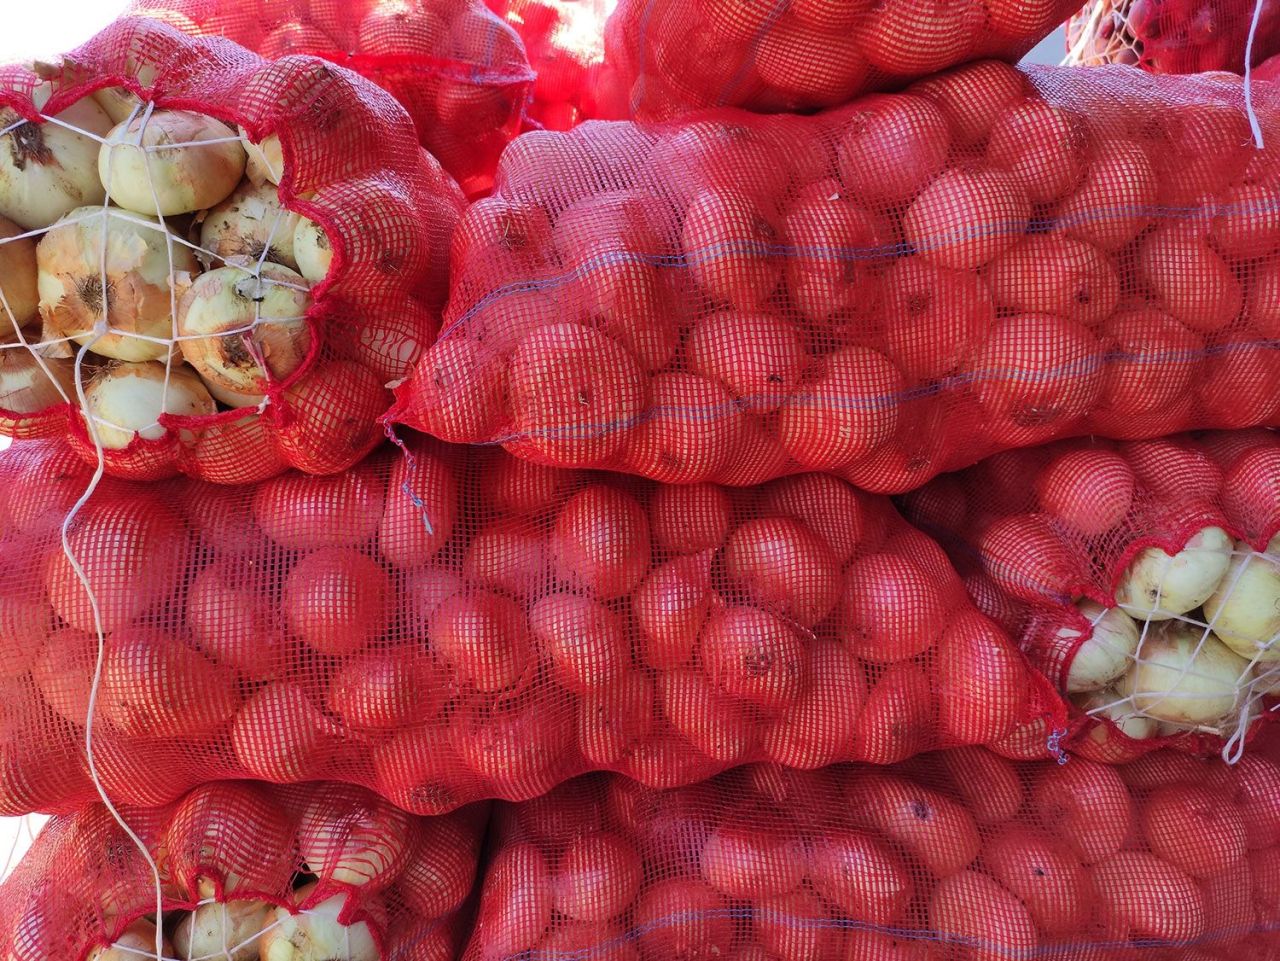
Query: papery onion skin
point(265, 160)
point(212, 928)
point(312, 250)
point(190, 176)
point(316, 935)
point(147, 272)
point(246, 222)
point(21, 299)
point(258, 316)
point(25, 386)
point(48, 170)
point(126, 401)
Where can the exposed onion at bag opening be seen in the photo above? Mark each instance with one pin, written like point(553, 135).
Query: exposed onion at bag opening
point(348, 838)
point(1183, 677)
point(1244, 612)
point(1156, 587)
point(200, 162)
point(262, 322)
point(316, 934)
point(221, 930)
point(1110, 704)
point(17, 278)
point(266, 161)
point(27, 388)
point(126, 401)
point(120, 104)
point(312, 250)
point(1106, 653)
point(142, 261)
point(47, 170)
point(250, 223)
point(137, 941)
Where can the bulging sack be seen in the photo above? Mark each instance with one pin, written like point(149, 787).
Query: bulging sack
point(461, 72)
point(958, 855)
point(1173, 36)
point(993, 259)
point(1142, 577)
point(456, 624)
point(664, 58)
point(210, 263)
point(317, 871)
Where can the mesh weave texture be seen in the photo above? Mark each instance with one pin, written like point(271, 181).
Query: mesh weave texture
point(991, 260)
point(462, 73)
point(456, 624)
point(1173, 538)
point(664, 58)
point(400, 883)
point(959, 856)
point(350, 164)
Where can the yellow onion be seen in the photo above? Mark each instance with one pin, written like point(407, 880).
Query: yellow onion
point(187, 176)
point(225, 930)
point(311, 250)
point(243, 224)
point(138, 942)
point(316, 935)
point(266, 161)
point(1156, 587)
point(1106, 653)
point(118, 103)
point(21, 300)
point(1244, 612)
point(232, 299)
point(47, 170)
point(26, 387)
point(142, 260)
point(1184, 677)
point(126, 400)
point(1107, 703)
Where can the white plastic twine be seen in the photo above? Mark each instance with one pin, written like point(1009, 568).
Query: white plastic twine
point(100, 330)
point(1095, 14)
point(1248, 75)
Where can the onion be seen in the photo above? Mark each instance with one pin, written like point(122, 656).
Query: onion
point(185, 175)
point(147, 271)
point(349, 836)
point(266, 161)
point(311, 249)
point(226, 931)
point(47, 170)
point(1156, 587)
point(137, 941)
point(316, 935)
point(26, 387)
point(280, 735)
point(17, 276)
point(1106, 653)
point(1107, 703)
point(126, 401)
point(250, 223)
point(120, 104)
point(1184, 676)
point(1244, 612)
point(261, 320)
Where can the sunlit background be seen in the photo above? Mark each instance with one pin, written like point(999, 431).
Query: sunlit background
point(46, 27)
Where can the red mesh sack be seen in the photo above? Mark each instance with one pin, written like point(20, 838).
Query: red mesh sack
point(457, 624)
point(1173, 36)
point(957, 856)
point(565, 42)
point(462, 73)
point(993, 259)
point(664, 58)
point(246, 327)
point(1142, 577)
point(316, 871)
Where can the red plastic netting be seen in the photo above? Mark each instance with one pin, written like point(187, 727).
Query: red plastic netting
point(316, 871)
point(664, 58)
point(1143, 578)
point(462, 74)
point(1173, 36)
point(210, 323)
point(565, 42)
point(459, 624)
point(959, 856)
point(993, 259)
